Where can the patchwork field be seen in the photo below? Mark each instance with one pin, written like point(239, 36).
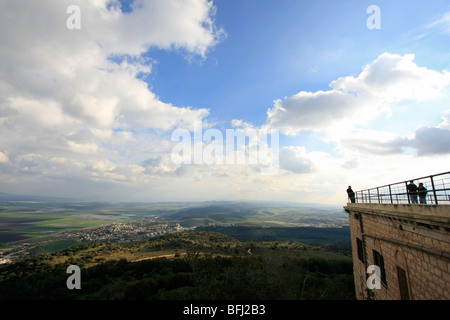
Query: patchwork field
point(36, 221)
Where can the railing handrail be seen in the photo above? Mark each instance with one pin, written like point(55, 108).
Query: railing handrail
point(435, 194)
point(390, 184)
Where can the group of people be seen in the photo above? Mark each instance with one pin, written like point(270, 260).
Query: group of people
point(414, 192)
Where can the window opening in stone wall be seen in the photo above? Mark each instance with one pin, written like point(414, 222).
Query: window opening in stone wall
point(379, 261)
point(359, 246)
point(402, 284)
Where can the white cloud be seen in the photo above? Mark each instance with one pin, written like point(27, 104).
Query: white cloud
point(311, 111)
point(72, 106)
point(431, 141)
point(166, 24)
point(43, 113)
point(371, 141)
point(74, 116)
point(441, 25)
point(424, 141)
point(353, 118)
point(45, 62)
point(389, 79)
point(346, 113)
point(3, 158)
point(445, 124)
point(85, 148)
point(295, 159)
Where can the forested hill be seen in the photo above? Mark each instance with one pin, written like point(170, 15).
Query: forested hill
point(184, 266)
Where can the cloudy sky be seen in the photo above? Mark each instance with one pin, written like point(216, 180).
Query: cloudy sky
point(92, 93)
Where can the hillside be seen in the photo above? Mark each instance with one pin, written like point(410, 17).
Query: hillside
point(190, 265)
point(335, 239)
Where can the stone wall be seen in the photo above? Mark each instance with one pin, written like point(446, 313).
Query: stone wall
point(410, 243)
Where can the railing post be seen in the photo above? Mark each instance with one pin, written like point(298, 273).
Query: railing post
point(407, 195)
point(390, 194)
point(378, 195)
point(434, 189)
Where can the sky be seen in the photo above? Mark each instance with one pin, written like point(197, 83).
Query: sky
point(133, 100)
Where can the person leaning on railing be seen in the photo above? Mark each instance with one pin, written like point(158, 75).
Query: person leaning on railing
point(351, 194)
point(422, 191)
point(412, 192)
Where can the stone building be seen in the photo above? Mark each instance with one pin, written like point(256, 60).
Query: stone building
point(408, 244)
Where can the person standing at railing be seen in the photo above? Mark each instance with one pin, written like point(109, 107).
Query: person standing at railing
point(422, 191)
point(351, 194)
point(412, 192)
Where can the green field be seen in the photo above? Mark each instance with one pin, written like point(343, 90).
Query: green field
point(38, 220)
point(259, 214)
point(247, 250)
point(31, 220)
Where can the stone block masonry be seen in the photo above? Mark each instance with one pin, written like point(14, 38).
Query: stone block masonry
point(409, 243)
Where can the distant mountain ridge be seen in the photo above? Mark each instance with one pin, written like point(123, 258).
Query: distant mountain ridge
point(19, 197)
point(26, 197)
point(4, 196)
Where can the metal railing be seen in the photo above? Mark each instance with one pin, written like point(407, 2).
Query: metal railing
point(437, 192)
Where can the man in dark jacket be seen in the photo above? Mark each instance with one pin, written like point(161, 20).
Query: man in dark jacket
point(351, 194)
point(412, 192)
point(422, 193)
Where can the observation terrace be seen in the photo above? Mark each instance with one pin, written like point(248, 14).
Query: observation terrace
point(406, 233)
point(438, 192)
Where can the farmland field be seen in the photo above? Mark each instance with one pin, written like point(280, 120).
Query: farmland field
point(32, 220)
point(40, 220)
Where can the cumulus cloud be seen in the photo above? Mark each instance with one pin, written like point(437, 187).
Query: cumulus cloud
point(72, 101)
point(311, 110)
point(74, 70)
point(344, 113)
point(424, 141)
point(296, 159)
point(375, 142)
point(3, 158)
point(75, 114)
point(445, 124)
point(162, 166)
point(377, 126)
point(358, 100)
point(166, 24)
point(431, 141)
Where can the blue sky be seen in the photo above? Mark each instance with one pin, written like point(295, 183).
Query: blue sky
point(276, 48)
point(89, 112)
